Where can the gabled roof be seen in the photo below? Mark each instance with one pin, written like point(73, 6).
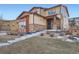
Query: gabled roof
point(54, 6)
point(51, 7)
point(37, 7)
point(42, 8)
point(45, 8)
point(29, 13)
point(58, 6)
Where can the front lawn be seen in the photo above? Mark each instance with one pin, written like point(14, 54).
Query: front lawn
point(41, 45)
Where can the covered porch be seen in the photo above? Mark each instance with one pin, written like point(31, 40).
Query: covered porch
point(53, 22)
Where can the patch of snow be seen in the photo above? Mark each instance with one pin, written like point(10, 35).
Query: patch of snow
point(60, 37)
point(69, 40)
point(4, 44)
point(76, 38)
point(54, 30)
point(25, 37)
point(3, 34)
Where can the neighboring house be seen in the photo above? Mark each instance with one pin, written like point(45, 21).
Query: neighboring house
point(39, 18)
point(74, 25)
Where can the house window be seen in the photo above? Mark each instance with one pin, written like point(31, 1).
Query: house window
point(22, 25)
point(51, 12)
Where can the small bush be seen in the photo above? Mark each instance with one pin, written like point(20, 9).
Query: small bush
point(21, 34)
point(51, 35)
point(47, 32)
point(42, 34)
point(61, 34)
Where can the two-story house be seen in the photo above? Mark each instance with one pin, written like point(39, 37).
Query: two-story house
point(39, 18)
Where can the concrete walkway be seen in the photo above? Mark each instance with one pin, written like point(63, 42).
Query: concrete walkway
point(9, 42)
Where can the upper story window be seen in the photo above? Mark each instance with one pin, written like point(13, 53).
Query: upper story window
point(57, 11)
point(51, 12)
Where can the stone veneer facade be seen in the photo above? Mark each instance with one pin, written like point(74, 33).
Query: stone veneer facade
point(36, 27)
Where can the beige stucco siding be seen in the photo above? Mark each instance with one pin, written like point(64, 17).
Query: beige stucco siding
point(65, 23)
point(39, 20)
point(31, 19)
point(64, 11)
point(36, 19)
point(42, 11)
point(36, 23)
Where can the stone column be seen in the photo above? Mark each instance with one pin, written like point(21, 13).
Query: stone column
point(54, 23)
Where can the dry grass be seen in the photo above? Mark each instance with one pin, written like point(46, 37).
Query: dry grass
point(4, 38)
point(41, 45)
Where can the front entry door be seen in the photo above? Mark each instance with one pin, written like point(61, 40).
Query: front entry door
point(48, 24)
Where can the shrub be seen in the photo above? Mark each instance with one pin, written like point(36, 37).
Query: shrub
point(51, 35)
point(47, 32)
point(42, 34)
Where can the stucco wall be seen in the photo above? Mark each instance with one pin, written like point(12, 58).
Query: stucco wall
point(39, 20)
point(31, 19)
point(42, 12)
point(65, 23)
point(36, 19)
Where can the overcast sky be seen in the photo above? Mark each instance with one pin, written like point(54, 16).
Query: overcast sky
point(11, 11)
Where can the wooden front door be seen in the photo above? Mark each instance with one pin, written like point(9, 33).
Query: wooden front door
point(49, 24)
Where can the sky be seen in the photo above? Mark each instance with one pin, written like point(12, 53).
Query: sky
point(11, 11)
